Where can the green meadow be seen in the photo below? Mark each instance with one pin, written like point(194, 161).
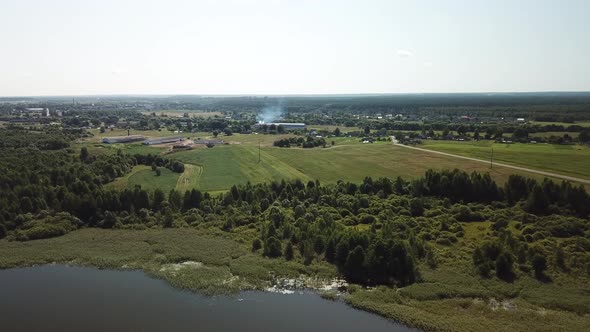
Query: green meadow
point(226, 165)
point(223, 166)
point(572, 160)
point(143, 176)
point(252, 158)
point(565, 124)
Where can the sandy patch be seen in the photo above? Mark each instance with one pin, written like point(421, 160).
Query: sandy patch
point(179, 266)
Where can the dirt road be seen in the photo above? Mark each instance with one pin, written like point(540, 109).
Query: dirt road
point(564, 177)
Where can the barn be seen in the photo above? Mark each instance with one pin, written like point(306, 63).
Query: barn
point(123, 139)
point(163, 140)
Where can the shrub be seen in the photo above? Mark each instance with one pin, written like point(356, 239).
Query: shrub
point(289, 252)
point(500, 224)
point(539, 263)
point(524, 268)
point(504, 266)
point(366, 219)
point(272, 247)
point(42, 232)
point(443, 241)
point(46, 226)
point(256, 244)
point(431, 259)
point(416, 207)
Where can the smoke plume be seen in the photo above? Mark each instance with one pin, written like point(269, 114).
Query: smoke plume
point(270, 114)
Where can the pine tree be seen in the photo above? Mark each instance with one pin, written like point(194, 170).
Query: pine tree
point(289, 252)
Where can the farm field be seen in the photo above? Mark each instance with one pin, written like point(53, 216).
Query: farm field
point(143, 176)
point(190, 178)
point(224, 166)
point(217, 169)
point(98, 136)
point(572, 160)
point(252, 139)
point(548, 134)
point(343, 129)
point(129, 148)
point(565, 124)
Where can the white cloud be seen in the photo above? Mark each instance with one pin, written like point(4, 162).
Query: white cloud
point(405, 53)
point(427, 64)
point(118, 71)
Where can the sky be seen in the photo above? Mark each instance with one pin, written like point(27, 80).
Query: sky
point(80, 47)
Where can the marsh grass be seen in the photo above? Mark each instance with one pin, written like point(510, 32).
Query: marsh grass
point(448, 298)
point(228, 266)
point(468, 314)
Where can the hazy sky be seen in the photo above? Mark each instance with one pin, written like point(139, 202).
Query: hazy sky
point(62, 47)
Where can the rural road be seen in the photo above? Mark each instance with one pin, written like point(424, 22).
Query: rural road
point(565, 177)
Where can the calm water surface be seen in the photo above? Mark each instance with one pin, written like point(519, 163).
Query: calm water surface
point(64, 298)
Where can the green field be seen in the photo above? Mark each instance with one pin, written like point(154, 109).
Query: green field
point(572, 160)
point(224, 166)
point(143, 176)
point(565, 124)
point(218, 168)
point(331, 128)
point(131, 148)
point(98, 136)
point(190, 178)
point(548, 134)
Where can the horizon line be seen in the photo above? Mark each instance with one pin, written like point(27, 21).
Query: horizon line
point(164, 95)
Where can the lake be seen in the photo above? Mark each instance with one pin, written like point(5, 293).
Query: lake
point(66, 298)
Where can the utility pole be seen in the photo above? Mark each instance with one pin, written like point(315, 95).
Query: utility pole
point(259, 150)
point(492, 158)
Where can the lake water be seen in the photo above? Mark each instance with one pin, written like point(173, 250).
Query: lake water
point(64, 298)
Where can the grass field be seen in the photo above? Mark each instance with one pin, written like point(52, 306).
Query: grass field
point(565, 124)
point(343, 129)
point(218, 168)
point(224, 166)
point(131, 148)
point(190, 178)
point(98, 136)
point(572, 160)
point(143, 176)
point(254, 139)
point(548, 134)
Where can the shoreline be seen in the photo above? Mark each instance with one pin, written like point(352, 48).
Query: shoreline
point(214, 265)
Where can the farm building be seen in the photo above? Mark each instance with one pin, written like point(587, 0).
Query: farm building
point(163, 140)
point(123, 139)
point(286, 125)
